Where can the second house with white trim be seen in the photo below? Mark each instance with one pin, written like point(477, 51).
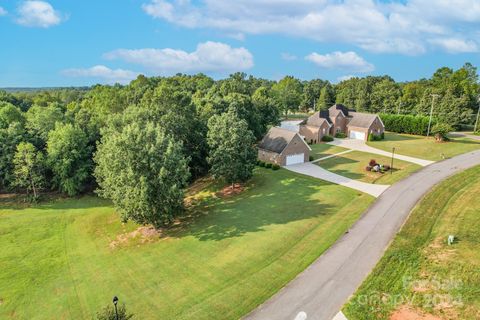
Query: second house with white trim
point(338, 119)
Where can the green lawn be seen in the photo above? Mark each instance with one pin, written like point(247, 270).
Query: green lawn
point(421, 268)
point(321, 150)
point(57, 259)
point(423, 147)
point(352, 165)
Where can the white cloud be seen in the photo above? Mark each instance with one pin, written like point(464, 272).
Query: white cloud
point(455, 45)
point(3, 12)
point(341, 60)
point(395, 26)
point(208, 57)
point(102, 72)
point(38, 14)
point(288, 57)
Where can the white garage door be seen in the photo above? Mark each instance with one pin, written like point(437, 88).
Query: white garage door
point(357, 135)
point(295, 158)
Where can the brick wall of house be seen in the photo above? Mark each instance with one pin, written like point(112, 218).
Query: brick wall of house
point(268, 156)
point(314, 134)
point(376, 127)
point(296, 146)
point(310, 133)
point(339, 124)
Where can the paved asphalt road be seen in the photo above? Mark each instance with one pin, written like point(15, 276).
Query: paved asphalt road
point(322, 289)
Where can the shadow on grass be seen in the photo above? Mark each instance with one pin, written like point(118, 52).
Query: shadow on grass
point(462, 140)
point(275, 202)
point(52, 201)
point(330, 165)
point(399, 137)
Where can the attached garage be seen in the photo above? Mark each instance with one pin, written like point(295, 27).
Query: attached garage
point(362, 124)
point(358, 135)
point(283, 147)
point(295, 158)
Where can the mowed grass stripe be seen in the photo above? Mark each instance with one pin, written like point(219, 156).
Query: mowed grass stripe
point(232, 256)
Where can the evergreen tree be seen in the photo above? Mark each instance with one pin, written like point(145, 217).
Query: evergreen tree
point(327, 97)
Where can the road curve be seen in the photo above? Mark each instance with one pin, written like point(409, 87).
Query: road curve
point(322, 289)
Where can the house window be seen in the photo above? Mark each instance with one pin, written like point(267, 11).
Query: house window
point(324, 130)
point(338, 130)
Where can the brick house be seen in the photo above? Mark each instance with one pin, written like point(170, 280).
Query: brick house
point(283, 147)
point(355, 125)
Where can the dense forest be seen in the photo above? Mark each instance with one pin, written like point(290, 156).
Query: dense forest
point(142, 143)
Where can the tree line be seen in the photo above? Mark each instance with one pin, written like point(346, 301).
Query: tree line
point(142, 143)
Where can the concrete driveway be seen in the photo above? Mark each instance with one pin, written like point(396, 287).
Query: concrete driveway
point(360, 145)
point(315, 171)
point(322, 289)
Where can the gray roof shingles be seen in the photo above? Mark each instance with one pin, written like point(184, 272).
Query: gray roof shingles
point(315, 120)
point(276, 139)
point(361, 120)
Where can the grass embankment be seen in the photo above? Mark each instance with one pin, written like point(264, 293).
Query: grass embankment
point(67, 258)
point(419, 272)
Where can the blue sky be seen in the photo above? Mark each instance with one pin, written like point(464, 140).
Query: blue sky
point(72, 43)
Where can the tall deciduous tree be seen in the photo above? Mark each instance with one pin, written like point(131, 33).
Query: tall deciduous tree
point(311, 93)
point(268, 109)
point(69, 157)
point(42, 120)
point(288, 93)
point(28, 168)
point(143, 171)
point(9, 114)
point(232, 153)
point(10, 137)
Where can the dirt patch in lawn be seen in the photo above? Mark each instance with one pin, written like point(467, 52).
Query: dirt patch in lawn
point(141, 235)
point(230, 190)
point(439, 252)
point(407, 313)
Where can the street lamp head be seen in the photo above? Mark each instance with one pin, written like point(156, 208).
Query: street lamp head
point(115, 300)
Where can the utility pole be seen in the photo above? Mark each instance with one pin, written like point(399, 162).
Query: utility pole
point(478, 114)
point(431, 112)
point(400, 105)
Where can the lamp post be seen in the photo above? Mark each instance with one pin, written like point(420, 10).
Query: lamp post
point(431, 112)
point(115, 301)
